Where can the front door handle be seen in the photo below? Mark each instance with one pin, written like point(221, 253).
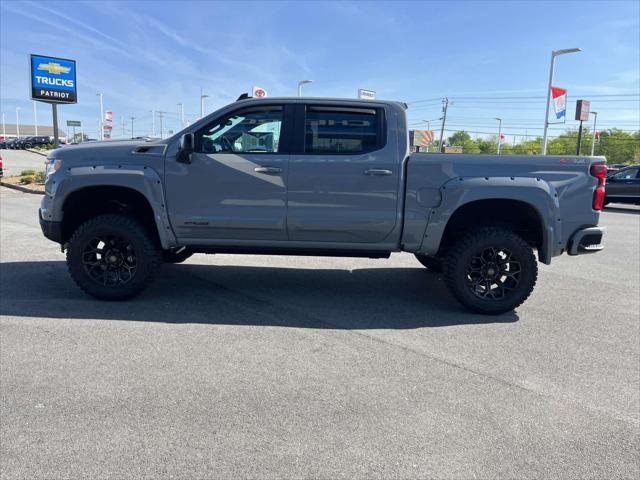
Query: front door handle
point(378, 171)
point(268, 170)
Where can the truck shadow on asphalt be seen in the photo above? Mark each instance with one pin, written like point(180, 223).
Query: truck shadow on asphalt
point(366, 298)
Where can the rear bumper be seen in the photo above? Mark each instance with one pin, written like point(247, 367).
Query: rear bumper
point(51, 230)
point(586, 240)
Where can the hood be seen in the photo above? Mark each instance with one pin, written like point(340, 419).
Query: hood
point(110, 151)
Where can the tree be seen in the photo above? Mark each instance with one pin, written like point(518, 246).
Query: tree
point(80, 137)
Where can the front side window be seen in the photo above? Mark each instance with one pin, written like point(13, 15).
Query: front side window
point(629, 174)
point(254, 130)
point(340, 130)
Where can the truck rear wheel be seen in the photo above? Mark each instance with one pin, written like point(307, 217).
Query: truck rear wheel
point(432, 263)
point(491, 271)
point(113, 257)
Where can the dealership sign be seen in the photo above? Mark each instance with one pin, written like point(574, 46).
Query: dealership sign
point(366, 94)
point(259, 92)
point(582, 110)
point(53, 80)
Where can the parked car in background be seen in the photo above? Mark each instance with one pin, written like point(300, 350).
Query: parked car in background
point(11, 144)
point(623, 186)
point(37, 141)
point(1, 167)
point(21, 143)
point(615, 167)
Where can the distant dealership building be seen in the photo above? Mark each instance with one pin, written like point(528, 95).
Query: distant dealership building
point(10, 131)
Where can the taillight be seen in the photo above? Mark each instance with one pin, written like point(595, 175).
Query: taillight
point(600, 172)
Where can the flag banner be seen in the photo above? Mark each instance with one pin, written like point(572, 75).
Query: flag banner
point(502, 139)
point(559, 101)
point(108, 116)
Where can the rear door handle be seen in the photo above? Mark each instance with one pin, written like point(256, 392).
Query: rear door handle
point(268, 170)
point(378, 171)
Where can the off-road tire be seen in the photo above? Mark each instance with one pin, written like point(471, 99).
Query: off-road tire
point(169, 256)
point(459, 260)
point(147, 254)
point(435, 264)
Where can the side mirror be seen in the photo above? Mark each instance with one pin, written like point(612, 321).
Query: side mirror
point(186, 148)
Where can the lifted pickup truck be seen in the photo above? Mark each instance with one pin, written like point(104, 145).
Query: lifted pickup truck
point(311, 176)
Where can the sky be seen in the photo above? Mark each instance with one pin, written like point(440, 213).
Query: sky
point(491, 59)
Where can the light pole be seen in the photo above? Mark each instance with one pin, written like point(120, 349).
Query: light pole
point(300, 84)
point(35, 118)
point(101, 116)
point(132, 119)
point(4, 129)
point(202, 97)
point(499, 132)
point(18, 122)
point(554, 54)
point(593, 140)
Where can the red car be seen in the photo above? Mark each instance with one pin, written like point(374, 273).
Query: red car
point(1, 166)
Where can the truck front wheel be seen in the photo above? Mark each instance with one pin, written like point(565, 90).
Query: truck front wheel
point(113, 257)
point(491, 270)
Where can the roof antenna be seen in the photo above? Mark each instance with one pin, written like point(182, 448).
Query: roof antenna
point(244, 96)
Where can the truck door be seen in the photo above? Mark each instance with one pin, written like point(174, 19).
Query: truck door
point(343, 175)
point(235, 185)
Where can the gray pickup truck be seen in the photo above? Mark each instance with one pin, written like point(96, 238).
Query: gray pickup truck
point(313, 176)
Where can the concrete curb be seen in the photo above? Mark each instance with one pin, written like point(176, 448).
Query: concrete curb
point(36, 151)
point(20, 188)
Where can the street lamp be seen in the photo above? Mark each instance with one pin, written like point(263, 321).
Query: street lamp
point(300, 84)
point(554, 54)
point(35, 118)
point(499, 132)
point(593, 140)
point(202, 97)
point(18, 122)
point(101, 116)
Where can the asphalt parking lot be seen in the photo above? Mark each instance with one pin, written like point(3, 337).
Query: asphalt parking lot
point(15, 161)
point(250, 366)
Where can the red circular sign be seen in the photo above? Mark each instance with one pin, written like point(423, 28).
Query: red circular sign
point(260, 93)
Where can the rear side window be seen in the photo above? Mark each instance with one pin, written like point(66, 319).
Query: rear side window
point(342, 130)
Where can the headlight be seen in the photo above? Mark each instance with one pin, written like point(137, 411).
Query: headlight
point(52, 166)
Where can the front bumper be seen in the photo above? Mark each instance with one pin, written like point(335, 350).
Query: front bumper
point(51, 230)
point(586, 240)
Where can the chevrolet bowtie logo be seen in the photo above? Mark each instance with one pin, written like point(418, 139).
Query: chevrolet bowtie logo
point(54, 68)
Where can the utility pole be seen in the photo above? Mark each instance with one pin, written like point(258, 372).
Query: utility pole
point(593, 140)
point(445, 107)
point(101, 116)
point(499, 132)
point(18, 122)
point(132, 119)
point(153, 123)
point(160, 117)
point(35, 118)
point(122, 123)
point(4, 129)
point(202, 97)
